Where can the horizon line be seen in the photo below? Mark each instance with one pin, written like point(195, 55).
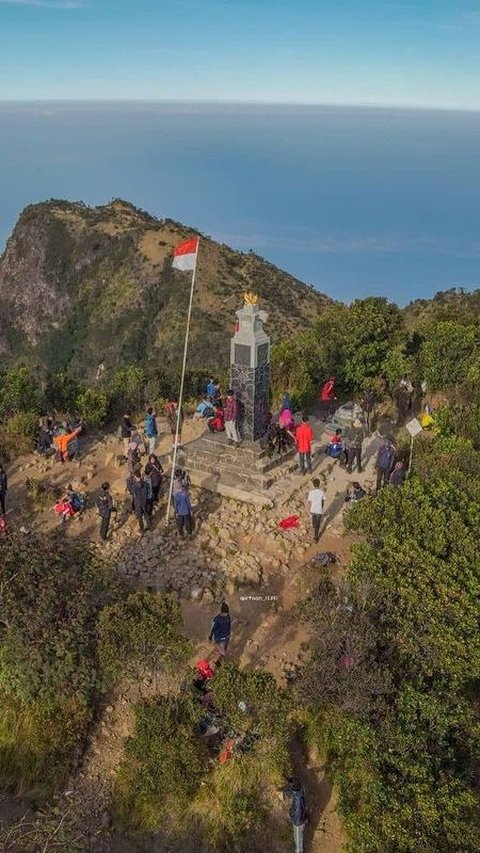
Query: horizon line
point(242, 102)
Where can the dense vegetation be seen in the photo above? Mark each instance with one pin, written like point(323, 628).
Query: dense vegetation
point(63, 618)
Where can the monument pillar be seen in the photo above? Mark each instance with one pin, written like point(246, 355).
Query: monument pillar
point(250, 369)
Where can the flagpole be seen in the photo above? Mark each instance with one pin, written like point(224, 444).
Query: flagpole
point(182, 382)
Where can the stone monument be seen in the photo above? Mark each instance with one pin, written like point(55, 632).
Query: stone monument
point(250, 369)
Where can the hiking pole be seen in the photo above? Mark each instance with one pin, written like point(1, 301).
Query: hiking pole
point(182, 382)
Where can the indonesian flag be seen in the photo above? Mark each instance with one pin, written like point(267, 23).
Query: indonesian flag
point(185, 255)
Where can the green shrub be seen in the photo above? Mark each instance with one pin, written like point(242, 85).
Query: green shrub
point(92, 406)
point(18, 433)
point(145, 626)
point(164, 763)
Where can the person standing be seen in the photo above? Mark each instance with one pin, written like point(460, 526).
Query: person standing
point(183, 511)
point(138, 489)
point(154, 471)
point(398, 475)
point(231, 416)
point(316, 501)
point(105, 508)
point(327, 397)
point(357, 436)
point(384, 462)
point(3, 489)
point(303, 439)
point(171, 413)
point(368, 407)
point(297, 813)
point(151, 431)
point(126, 430)
point(220, 630)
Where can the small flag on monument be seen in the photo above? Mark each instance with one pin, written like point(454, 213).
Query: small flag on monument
point(185, 255)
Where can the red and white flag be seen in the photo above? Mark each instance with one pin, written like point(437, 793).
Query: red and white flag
point(185, 255)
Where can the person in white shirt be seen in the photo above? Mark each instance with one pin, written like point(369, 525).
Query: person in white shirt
point(316, 500)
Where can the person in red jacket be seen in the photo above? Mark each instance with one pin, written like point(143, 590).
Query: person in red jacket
point(303, 439)
point(327, 396)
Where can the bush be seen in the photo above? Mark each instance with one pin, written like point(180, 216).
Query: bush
point(145, 626)
point(19, 392)
point(92, 406)
point(164, 763)
point(18, 433)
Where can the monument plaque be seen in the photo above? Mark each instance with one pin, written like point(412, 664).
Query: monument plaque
point(250, 369)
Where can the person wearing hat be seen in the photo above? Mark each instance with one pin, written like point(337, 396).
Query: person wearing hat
point(357, 437)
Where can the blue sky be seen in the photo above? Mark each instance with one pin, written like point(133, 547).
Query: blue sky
point(399, 53)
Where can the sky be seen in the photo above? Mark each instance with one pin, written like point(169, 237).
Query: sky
point(401, 53)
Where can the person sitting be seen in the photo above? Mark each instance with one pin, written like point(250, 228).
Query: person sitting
point(203, 410)
point(335, 448)
point(217, 423)
point(354, 493)
point(69, 504)
point(62, 443)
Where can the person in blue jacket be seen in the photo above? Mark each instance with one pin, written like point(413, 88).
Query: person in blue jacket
point(297, 812)
point(151, 431)
point(220, 630)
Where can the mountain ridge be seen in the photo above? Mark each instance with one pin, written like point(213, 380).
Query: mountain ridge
point(83, 287)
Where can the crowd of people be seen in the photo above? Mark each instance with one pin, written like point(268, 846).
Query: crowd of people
point(285, 431)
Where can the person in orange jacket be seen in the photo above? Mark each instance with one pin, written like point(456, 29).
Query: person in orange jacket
point(303, 439)
point(61, 442)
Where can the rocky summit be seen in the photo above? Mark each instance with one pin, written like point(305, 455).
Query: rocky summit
point(87, 289)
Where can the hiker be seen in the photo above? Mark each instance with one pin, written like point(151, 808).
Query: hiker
point(62, 443)
point(154, 472)
point(69, 504)
point(133, 453)
point(384, 462)
point(231, 415)
point(105, 508)
point(183, 511)
point(217, 423)
point(327, 397)
point(44, 439)
point(3, 489)
point(316, 500)
point(139, 491)
point(337, 447)
point(285, 419)
point(181, 481)
point(204, 409)
point(220, 630)
point(357, 435)
point(126, 430)
point(151, 431)
point(354, 493)
point(367, 404)
point(303, 440)
point(294, 792)
point(212, 391)
point(398, 475)
point(286, 404)
point(172, 415)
